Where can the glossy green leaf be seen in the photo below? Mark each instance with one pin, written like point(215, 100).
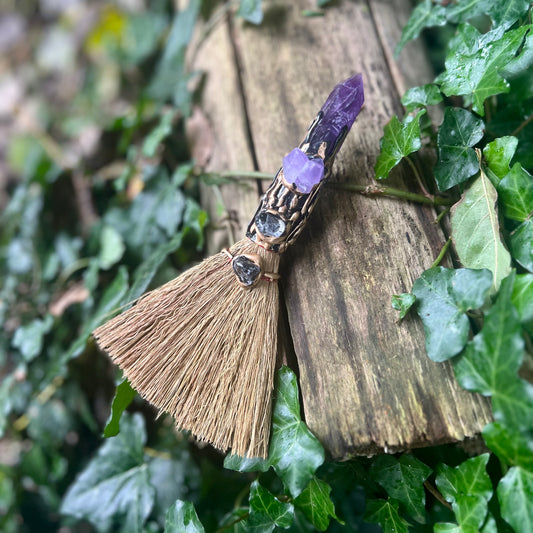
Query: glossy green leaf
point(148, 268)
point(512, 447)
point(403, 302)
point(446, 527)
point(123, 397)
point(516, 193)
point(294, 453)
point(316, 504)
point(512, 404)
point(385, 513)
point(422, 96)
point(476, 230)
point(515, 494)
point(251, 10)
point(266, 511)
point(171, 77)
point(522, 299)
point(158, 134)
point(403, 479)
point(29, 338)
point(457, 161)
point(521, 247)
point(112, 247)
point(502, 12)
point(114, 488)
point(443, 298)
point(496, 352)
point(468, 488)
point(108, 305)
point(499, 154)
point(476, 71)
point(399, 140)
point(425, 15)
point(182, 518)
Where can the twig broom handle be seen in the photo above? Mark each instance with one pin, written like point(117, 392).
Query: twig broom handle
point(288, 202)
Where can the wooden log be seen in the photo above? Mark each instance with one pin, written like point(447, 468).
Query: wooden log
point(367, 384)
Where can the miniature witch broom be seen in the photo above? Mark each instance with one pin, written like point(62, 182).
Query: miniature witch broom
point(203, 346)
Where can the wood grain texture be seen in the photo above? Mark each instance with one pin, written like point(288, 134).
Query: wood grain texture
point(367, 384)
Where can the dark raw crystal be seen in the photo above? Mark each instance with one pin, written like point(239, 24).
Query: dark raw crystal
point(338, 113)
point(269, 224)
point(246, 270)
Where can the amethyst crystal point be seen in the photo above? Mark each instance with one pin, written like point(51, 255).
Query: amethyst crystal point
point(305, 173)
point(337, 115)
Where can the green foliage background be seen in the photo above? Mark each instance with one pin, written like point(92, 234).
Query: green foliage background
point(102, 204)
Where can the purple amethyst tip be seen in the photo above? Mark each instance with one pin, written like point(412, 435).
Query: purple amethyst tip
point(337, 115)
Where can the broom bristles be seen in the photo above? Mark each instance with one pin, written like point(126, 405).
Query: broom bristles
point(203, 349)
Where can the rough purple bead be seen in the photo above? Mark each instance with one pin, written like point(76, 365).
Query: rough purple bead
point(305, 173)
point(339, 111)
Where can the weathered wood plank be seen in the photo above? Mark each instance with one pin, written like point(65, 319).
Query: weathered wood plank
point(366, 382)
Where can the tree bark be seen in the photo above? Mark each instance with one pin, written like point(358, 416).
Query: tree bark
point(367, 384)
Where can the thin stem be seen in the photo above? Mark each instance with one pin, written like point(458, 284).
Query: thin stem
point(244, 175)
point(430, 488)
point(523, 125)
point(442, 253)
point(379, 190)
point(418, 178)
point(441, 215)
point(366, 190)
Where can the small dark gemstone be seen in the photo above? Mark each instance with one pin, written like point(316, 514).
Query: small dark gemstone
point(246, 270)
point(269, 225)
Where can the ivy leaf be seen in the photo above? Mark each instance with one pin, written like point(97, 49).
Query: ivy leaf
point(521, 239)
point(182, 518)
point(399, 140)
point(107, 306)
point(170, 79)
point(516, 193)
point(295, 453)
point(498, 154)
point(403, 302)
point(316, 504)
point(476, 72)
point(503, 12)
point(424, 15)
point(457, 160)
point(468, 488)
point(476, 230)
point(512, 403)
point(114, 489)
point(443, 297)
point(515, 494)
point(496, 352)
point(148, 268)
point(29, 338)
point(385, 513)
point(403, 479)
point(522, 299)
point(512, 447)
point(266, 511)
point(421, 96)
point(251, 11)
point(111, 247)
point(158, 134)
point(123, 397)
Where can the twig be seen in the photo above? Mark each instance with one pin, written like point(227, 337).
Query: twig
point(442, 253)
point(418, 178)
point(366, 190)
point(430, 488)
point(380, 190)
point(523, 125)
